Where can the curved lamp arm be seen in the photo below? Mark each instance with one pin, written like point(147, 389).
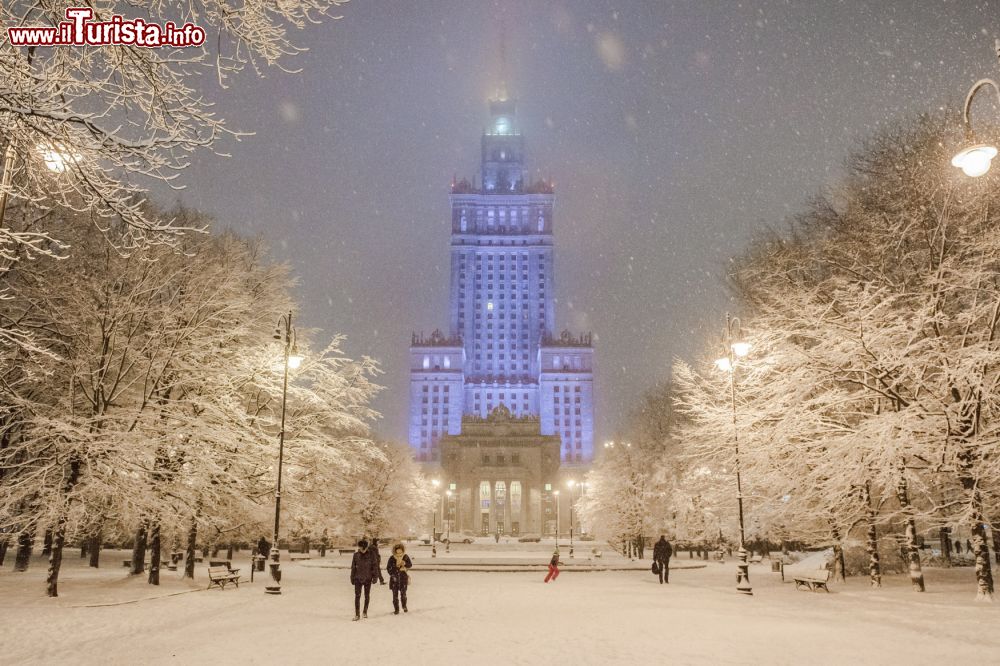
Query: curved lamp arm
point(966, 110)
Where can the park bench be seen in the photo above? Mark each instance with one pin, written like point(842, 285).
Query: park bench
point(223, 563)
point(812, 580)
point(296, 558)
point(222, 575)
point(345, 551)
point(756, 559)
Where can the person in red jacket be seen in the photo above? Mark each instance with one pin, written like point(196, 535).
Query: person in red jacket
point(553, 566)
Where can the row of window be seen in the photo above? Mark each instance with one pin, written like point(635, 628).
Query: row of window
point(501, 459)
point(500, 213)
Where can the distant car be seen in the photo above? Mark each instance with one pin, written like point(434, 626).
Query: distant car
point(458, 540)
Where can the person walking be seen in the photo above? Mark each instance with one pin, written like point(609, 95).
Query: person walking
point(553, 567)
point(378, 560)
point(364, 569)
point(398, 567)
point(662, 552)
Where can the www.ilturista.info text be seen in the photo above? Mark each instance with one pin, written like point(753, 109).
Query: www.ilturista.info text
point(80, 30)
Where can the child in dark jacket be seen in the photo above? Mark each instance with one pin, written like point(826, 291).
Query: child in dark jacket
point(398, 568)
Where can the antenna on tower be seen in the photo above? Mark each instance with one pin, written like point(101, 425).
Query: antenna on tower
point(502, 91)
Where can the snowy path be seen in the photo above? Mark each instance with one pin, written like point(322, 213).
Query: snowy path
point(494, 618)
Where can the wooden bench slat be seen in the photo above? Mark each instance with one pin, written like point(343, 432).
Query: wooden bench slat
point(812, 580)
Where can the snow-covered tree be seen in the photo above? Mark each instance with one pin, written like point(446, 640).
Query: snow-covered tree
point(90, 129)
point(156, 403)
point(870, 396)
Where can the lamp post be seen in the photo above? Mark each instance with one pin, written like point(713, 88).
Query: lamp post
point(447, 542)
point(291, 359)
point(56, 158)
point(736, 349)
point(571, 484)
point(558, 511)
point(434, 551)
point(974, 160)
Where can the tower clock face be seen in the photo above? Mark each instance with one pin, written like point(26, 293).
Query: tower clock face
point(503, 125)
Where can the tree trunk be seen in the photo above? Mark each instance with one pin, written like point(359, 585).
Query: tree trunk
point(84, 544)
point(945, 538)
point(215, 550)
point(229, 552)
point(993, 530)
point(910, 546)
point(874, 562)
point(47, 543)
point(95, 550)
point(139, 549)
point(980, 551)
point(189, 554)
point(154, 554)
point(3, 550)
point(839, 569)
point(25, 541)
point(984, 571)
point(58, 540)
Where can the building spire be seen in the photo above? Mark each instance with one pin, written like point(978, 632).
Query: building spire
point(502, 90)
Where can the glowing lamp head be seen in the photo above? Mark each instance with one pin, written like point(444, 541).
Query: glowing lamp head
point(435, 482)
point(57, 158)
point(974, 161)
point(723, 364)
point(294, 357)
point(741, 349)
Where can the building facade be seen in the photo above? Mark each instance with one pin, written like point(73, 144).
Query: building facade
point(501, 359)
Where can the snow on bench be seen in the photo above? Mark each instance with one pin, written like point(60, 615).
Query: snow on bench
point(812, 580)
point(222, 575)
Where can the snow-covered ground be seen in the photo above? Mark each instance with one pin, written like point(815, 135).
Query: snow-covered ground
point(457, 617)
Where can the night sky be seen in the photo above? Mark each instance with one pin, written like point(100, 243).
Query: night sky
point(674, 132)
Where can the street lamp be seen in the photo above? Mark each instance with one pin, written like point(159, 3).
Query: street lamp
point(56, 157)
point(286, 334)
point(434, 516)
point(735, 350)
point(571, 484)
point(558, 512)
point(447, 543)
point(974, 160)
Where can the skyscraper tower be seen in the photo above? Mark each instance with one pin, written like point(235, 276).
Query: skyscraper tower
point(501, 350)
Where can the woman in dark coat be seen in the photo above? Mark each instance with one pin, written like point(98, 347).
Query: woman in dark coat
point(398, 568)
point(364, 570)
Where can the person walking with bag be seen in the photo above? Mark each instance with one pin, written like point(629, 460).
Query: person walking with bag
point(398, 567)
point(553, 567)
point(661, 558)
point(364, 570)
